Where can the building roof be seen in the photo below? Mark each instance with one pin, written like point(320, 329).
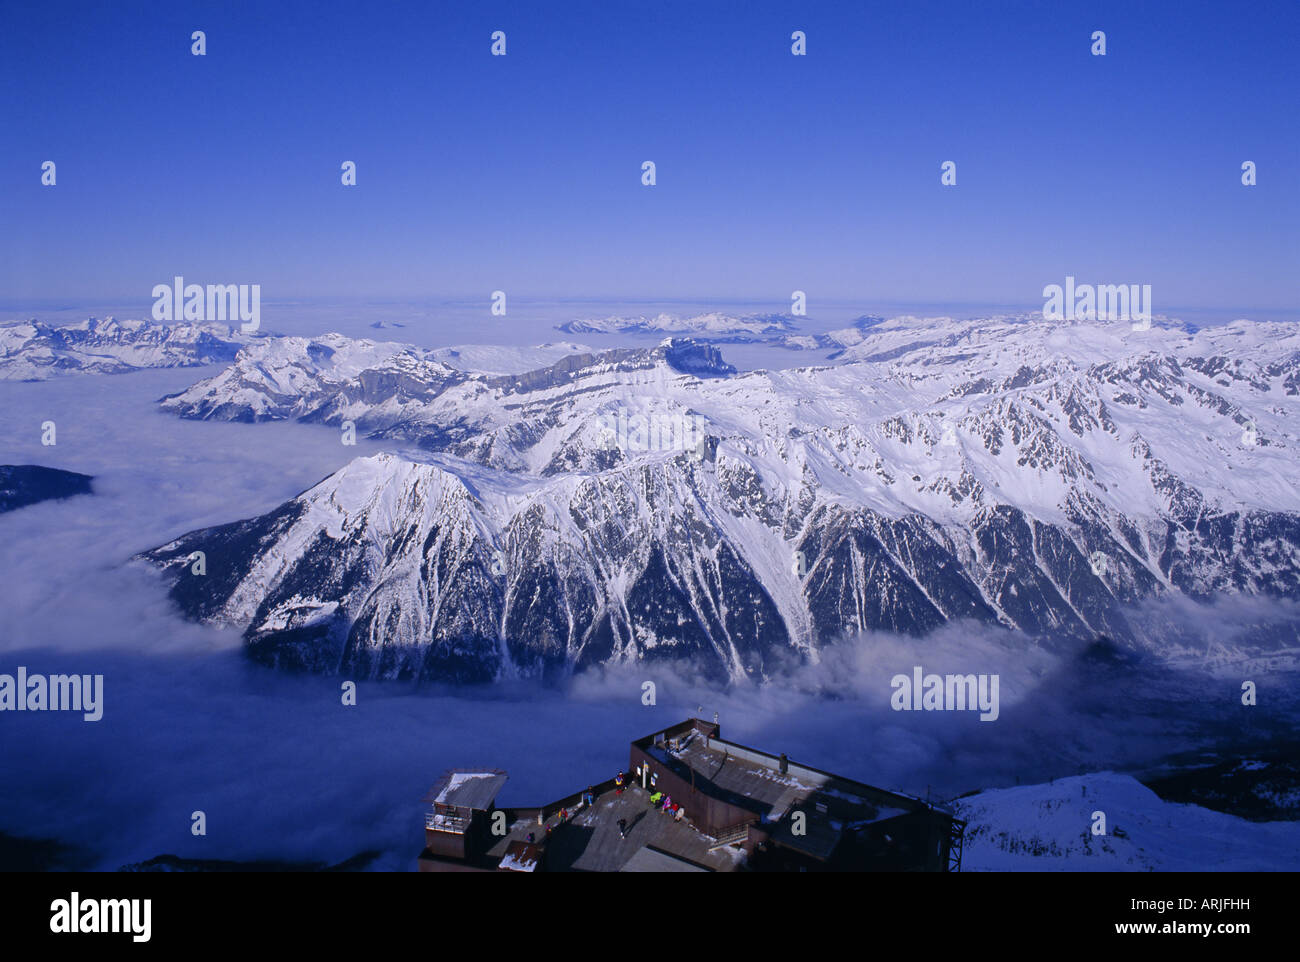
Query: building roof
point(460, 788)
point(753, 780)
point(795, 807)
point(649, 859)
point(590, 840)
point(818, 836)
point(742, 781)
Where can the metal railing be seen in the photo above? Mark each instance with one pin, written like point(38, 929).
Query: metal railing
point(446, 823)
point(731, 834)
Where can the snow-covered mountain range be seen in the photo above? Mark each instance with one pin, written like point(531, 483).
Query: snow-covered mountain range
point(714, 326)
point(505, 359)
point(1014, 471)
point(834, 341)
point(35, 351)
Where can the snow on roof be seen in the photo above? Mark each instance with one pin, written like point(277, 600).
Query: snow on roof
point(467, 789)
point(520, 857)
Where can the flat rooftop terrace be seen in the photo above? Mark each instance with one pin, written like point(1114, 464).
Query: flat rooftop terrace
point(590, 840)
point(754, 781)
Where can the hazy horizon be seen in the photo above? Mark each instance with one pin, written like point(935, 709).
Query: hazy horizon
point(775, 172)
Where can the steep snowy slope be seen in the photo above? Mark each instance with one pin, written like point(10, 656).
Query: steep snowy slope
point(1034, 828)
point(393, 568)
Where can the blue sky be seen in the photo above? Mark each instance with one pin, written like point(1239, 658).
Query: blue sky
point(775, 172)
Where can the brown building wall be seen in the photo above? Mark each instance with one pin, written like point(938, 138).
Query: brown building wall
point(446, 844)
point(427, 864)
point(469, 845)
point(709, 814)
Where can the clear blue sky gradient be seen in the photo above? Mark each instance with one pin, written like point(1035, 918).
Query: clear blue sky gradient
point(775, 172)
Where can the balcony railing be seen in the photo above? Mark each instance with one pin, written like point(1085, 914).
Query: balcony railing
point(441, 822)
point(731, 834)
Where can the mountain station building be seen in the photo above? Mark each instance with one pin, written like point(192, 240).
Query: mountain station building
point(690, 801)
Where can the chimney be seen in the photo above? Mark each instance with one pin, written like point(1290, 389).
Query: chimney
point(785, 764)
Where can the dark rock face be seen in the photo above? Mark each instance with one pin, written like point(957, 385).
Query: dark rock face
point(418, 579)
point(855, 584)
point(24, 484)
point(433, 599)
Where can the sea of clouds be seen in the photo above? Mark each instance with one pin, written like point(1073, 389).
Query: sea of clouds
point(283, 770)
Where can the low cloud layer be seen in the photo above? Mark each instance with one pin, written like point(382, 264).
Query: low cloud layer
point(283, 770)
